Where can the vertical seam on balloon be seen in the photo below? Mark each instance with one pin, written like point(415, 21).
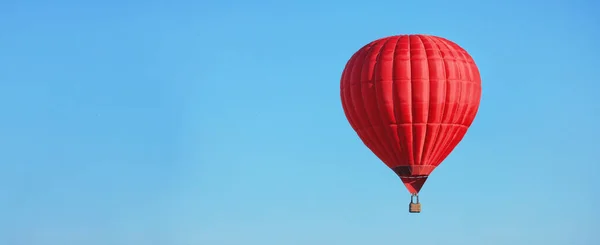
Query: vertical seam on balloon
point(401, 148)
point(349, 87)
point(378, 147)
point(439, 153)
point(429, 150)
point(422, 151)
point(347, 104)
point(437, 139)
point(477, 89)
point(467, 81)
point(469, 112)
point(464, 99)
point(349, 95)
point(344, 91)
point(384, 149)
point(411, 106)
point(450, 145)
point(451, 131)
point(386, 156)
point(378, 98)
point(373, 145)
point(395, 137)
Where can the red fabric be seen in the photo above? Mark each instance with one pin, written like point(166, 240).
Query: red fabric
point(414, 184)
point(411, 99)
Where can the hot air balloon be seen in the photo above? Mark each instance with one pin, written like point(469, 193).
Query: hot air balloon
point(411, 99)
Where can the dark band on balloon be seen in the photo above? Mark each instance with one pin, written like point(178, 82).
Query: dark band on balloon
point(410, 171)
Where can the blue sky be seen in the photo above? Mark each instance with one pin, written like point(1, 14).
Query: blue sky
point(220, 123)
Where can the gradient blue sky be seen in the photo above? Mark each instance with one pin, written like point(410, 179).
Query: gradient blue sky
point(220, 123)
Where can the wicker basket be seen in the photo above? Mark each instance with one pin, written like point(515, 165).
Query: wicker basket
point(414, 208)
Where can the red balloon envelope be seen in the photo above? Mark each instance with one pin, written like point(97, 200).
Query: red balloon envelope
point(411, 99)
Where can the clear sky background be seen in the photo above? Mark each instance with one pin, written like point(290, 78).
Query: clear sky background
point(220, 123)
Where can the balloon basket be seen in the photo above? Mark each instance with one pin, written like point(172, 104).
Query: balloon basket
point(414, 207)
